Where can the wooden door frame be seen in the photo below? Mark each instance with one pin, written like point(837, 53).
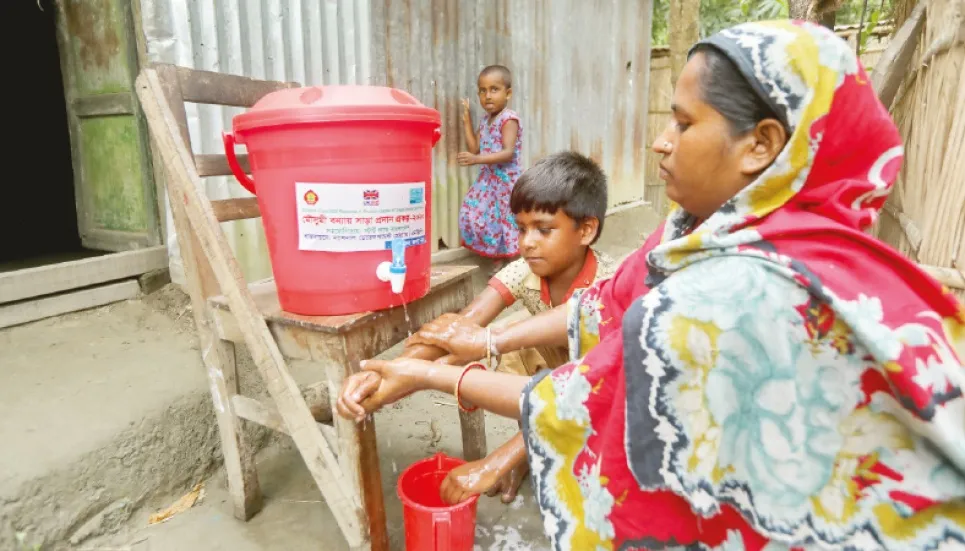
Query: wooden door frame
point(125, 103)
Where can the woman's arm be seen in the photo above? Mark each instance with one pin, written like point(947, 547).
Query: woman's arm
point(386, 382)
point(544, 329)
point(481, 311)
point(467, 340)
point(510, 132)
point(472, 141)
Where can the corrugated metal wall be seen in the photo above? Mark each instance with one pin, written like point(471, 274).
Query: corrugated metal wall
point(581, 76)
point(581, 73)
point(307, 41)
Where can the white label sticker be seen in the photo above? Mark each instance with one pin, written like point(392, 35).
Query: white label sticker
point(360, 217)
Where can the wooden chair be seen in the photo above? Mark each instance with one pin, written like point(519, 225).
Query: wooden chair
point(344, 461)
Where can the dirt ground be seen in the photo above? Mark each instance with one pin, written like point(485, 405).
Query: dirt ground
point(296, 518)
point(110, 421)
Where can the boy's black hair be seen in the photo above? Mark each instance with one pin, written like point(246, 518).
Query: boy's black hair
point(503, 72)
point(565, 180)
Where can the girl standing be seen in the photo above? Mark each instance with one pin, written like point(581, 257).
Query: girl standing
point(486, 223)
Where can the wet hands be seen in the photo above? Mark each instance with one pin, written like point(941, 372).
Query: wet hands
point(465, 481)
point(381, 383)
point(485, 476)
point(463, 339)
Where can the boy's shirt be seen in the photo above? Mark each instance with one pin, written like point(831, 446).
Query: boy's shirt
point(517, 282)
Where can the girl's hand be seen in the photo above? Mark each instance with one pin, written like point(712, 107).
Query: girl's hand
point(379, 384)
point(466, 114)
point(459, 336)
point(466, 159)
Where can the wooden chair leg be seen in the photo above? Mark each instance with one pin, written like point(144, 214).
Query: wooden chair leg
point(219, 362)
point(218, 357)
point(473, 427)
point(239, 457)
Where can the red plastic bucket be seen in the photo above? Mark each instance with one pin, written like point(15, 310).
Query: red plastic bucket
point(430, 524)
point(340, 172)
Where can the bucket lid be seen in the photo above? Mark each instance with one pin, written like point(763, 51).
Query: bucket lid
point(314, 104)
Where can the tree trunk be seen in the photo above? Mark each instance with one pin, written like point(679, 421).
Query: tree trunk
point(815, 11)
point(799, 9)
point(683, 32)
point(829, 18)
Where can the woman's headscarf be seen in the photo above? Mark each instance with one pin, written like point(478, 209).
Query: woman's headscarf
point(638, 418)
point(809, 210)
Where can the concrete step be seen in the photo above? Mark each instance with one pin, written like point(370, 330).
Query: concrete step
point(102, 410)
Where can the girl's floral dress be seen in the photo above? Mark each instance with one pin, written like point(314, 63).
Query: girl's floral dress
point(486, 224)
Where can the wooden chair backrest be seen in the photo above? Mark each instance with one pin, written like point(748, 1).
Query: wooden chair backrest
point(183, 85)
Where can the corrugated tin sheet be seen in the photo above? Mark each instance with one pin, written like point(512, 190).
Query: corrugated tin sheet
point(581, 73)
point(307, 41)
point(581, 77)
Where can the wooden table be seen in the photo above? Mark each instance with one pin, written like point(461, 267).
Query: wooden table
point(227, 309)
point(340, 343)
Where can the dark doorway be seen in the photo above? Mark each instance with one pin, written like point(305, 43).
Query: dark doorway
point(39, 221)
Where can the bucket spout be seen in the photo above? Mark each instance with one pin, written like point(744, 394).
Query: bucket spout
point(394, 272)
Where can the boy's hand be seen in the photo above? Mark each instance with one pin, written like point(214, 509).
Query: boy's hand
point(466, 115)
point(466, 159)
point(465, 481)
point(459, 336)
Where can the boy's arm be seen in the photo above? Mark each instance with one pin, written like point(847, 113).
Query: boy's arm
point(510, 132)
point(472, 141)
point(481, 311)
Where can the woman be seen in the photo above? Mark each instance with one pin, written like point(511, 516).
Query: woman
point(762, 374)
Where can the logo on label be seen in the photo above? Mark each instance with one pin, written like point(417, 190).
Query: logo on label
point(311, 197)
point(370, 198)
point(415, 196)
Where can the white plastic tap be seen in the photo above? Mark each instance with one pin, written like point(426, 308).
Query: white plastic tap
point(394, 272)
point(395, 278)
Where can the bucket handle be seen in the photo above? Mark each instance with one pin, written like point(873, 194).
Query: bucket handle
point(229, 150)
point(436, 136)
point(440, 523)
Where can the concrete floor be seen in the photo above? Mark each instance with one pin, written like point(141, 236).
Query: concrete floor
point(105, 418)
point(295, 518)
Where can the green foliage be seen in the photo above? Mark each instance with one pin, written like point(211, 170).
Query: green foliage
point(870, 24)
point(661, 22)
point(720, 14)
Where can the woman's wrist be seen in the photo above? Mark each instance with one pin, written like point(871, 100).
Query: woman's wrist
point(499, 343)
point(439, 377)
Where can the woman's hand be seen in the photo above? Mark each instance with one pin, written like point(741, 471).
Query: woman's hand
point(459, 336)
point(381, 383)
point(356, 389)
point(466, 158)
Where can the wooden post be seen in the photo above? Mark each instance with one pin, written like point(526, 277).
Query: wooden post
point(358, 450)
point(684, 31)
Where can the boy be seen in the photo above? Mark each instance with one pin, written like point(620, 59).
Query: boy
point(560, 205)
